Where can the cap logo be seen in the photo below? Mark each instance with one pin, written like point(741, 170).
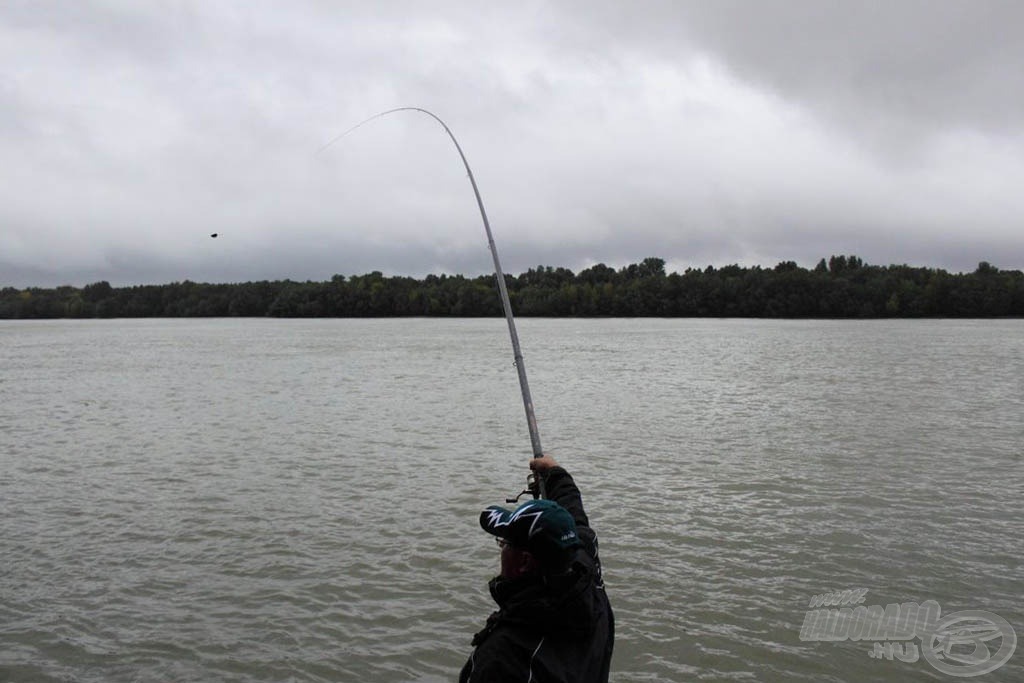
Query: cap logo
point(495, 518)
point(528, 511)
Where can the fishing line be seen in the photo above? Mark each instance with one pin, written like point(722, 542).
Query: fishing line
point(535, 485)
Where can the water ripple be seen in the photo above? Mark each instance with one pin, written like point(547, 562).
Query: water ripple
point(296, 500)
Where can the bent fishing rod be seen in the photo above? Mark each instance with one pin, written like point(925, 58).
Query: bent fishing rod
point(534, 484)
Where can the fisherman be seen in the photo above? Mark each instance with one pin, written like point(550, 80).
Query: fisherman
point(554, 622)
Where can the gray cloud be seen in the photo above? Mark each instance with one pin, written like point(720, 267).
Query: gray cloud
point(931, 64)
point(699, 132)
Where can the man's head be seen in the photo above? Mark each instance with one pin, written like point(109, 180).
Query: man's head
point(539, 536)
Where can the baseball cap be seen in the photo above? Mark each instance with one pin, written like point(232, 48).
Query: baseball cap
point(543, 527)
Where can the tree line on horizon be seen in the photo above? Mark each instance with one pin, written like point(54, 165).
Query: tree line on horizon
point(841, 287)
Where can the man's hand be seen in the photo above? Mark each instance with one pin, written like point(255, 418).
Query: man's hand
point(542, 464)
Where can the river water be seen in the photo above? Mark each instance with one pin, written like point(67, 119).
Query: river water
point(296, 500)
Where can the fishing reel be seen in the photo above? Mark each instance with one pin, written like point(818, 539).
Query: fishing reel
point(532, 488)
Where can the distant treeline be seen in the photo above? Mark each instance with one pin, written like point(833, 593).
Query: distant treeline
point(842, 287)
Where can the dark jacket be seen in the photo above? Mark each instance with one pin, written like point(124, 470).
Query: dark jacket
point(549, 629)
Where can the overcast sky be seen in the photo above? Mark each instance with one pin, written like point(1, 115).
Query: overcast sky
point(710, 132)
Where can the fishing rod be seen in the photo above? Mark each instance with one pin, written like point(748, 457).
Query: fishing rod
point(534, 484)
